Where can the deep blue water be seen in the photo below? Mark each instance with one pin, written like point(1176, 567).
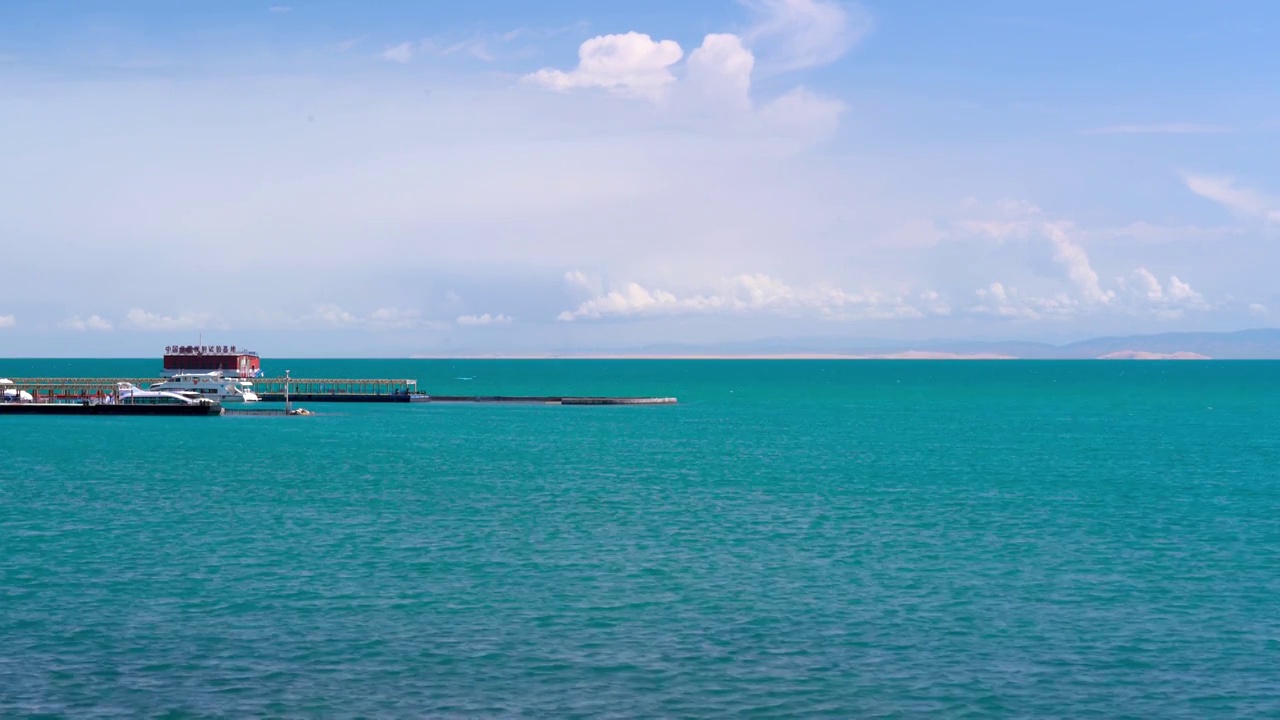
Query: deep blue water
point(795, 539)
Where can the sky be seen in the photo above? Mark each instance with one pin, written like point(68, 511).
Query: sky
point(413, 178)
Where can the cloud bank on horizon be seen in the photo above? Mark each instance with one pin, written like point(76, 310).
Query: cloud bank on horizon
point(502, 178)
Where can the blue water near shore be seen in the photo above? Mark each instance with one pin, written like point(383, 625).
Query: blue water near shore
point(795, 539)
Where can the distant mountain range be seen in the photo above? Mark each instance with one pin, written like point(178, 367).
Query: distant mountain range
point(1244, 344)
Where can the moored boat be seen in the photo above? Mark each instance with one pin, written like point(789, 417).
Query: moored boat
point(211, 385)
point(9, 393)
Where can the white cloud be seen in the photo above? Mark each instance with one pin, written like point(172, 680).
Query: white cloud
point(1144, 295)
point(1175, 128)
point(485, 319)
point(139, 319)
point(1258, 310)
point(1141, 294)
point(1075, 261)
point(7, 321)
point(384, 318)
point(1167, 301)
point(490, 191)
point(631, 64)
point(719, 72)
point(401, 53)
point(752, 294)
point(279, 9)
point(797, 34)
point(1020, 220)
point(332, 315)
point(717, 76)
point(93, 322)
point(1000, 301)
point(1242, 200)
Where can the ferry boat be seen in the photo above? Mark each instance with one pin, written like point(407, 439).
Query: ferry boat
point(130, 394)
point(202, 359)
point(211, 385)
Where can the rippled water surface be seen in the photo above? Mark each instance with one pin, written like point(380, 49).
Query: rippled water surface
point(824, 539)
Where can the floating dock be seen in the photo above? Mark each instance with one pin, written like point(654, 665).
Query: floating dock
point(312, 390)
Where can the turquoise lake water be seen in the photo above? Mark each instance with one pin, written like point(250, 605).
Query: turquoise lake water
point(794, 539)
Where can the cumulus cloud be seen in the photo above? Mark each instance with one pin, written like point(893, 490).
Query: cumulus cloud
point(93, 322)
point(331, 315)
point(1144, 295)
point(1258, 310)
point(1242, 200)
point(139, 319)
point(1075, 261)
point(719, 72)
point(631, 64)
point(383, 318)
point(753, 294)
point(1020, 220)
point(1139, 294)
point(7, 321)
point(485, 319)
point(715, 80)
point(1000, 301)
point(796, 34)
point(1165, 300)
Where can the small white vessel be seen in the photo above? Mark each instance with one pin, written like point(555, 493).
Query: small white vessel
point(128, 393)
point(13, 394)
point(210, 385)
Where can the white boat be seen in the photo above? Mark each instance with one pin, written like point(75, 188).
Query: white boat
point(13, 394)
point(211, 385)
point(128, 393)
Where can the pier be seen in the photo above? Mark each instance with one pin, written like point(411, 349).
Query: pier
point(313, 390)
point(268, 389)
point(84, 408)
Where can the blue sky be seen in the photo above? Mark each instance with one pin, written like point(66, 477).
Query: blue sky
point(419, 178)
